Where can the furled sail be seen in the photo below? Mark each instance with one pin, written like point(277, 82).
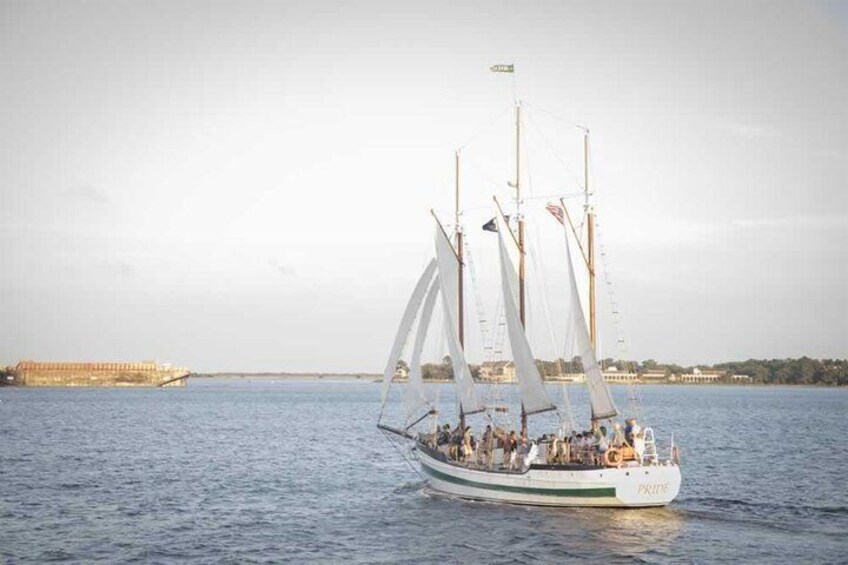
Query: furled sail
point(448, 274)
point(534, 397)
point(599, 393)
point(412, 308)
point(415, 399)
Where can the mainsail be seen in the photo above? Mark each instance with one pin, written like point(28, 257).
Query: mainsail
point(599, 394)
point(405, 325)
point(448, 275)
point(415, 399)
point(534, 397)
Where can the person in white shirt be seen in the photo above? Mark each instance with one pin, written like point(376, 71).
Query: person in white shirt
point(639, 444)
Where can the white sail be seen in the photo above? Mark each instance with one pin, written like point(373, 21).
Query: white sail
point(534, 397)
point(599, 394)
point(405, 325)
point(414, 398)
point(448, 275)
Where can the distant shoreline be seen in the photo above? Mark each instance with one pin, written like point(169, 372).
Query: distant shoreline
point(375, 377)
point(290, 376)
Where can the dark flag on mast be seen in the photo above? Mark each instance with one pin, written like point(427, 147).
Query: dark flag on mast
point(492, 225)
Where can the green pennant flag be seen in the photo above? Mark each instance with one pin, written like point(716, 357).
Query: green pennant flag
point(502, 68)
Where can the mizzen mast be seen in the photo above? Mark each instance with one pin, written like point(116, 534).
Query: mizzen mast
point(590, 243)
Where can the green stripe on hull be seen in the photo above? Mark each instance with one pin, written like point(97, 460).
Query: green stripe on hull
point(600, 492)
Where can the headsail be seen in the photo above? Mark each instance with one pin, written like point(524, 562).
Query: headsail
point(448, 274)
point(405, 325)
point(534, 397)
point(599, 393)
point(414, 398)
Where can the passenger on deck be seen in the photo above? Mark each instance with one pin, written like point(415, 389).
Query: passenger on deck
point(456, 435)
point(617, 435)
point(565, 450)
point(639, 444)
point(630, 430)
point(509, 447)
point(583, 448)
point(444, 435)
point(601, 442)
point(455, 449)
point(517, 459)
point(467, 444)
point(635, 428)
point(484, 454)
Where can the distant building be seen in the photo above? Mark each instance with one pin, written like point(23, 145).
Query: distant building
point(740, 379)
point(613, 375)
point(497, 371)
point(147, 373)
point(653, 376)
point(698, 376)
point(401, 374)
point(568, 378)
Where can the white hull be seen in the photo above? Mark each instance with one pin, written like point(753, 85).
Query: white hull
point(641, 486)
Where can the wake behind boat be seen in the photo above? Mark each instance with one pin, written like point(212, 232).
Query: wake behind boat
point(608, 464)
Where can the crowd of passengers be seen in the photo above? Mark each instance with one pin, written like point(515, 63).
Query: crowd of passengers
point(592, 447)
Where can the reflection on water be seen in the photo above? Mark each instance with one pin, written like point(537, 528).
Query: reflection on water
point(631, 532)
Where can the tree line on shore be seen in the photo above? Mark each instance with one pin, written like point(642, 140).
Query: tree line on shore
point(802, 371)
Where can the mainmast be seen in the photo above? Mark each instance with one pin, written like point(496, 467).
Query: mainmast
point(522, 313)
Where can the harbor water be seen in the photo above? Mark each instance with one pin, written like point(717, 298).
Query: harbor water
point(256, 471)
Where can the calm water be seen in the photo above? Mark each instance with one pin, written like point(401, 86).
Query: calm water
point(252, 471)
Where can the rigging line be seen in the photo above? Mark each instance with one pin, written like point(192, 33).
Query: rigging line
point(526, 168)
point(568, 170)
point(402, 456)
point(560, 195)
point(482, 315)
point(558, 117)
point(480, 170)
point(539, 266)
point(486, 128)
point(633, 395)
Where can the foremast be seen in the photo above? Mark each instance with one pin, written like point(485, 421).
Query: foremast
point(461, 268)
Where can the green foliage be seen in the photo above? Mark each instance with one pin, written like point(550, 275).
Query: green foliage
point(803, 371)
point(439, 371)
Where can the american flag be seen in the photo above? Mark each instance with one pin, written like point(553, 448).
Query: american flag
point(556, 211)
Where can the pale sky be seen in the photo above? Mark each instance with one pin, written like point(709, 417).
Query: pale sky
point(247, 185)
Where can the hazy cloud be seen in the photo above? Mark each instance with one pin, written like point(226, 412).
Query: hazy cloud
point(284, 270)
point(86, 193)
point(749, 131)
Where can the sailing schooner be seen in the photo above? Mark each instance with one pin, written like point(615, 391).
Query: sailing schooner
point(557, 469)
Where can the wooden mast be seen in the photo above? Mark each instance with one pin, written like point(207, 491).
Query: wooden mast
point(590, 249)
point(521, 299)
point(590, 244)
point(459, 257)
point(460, 305)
